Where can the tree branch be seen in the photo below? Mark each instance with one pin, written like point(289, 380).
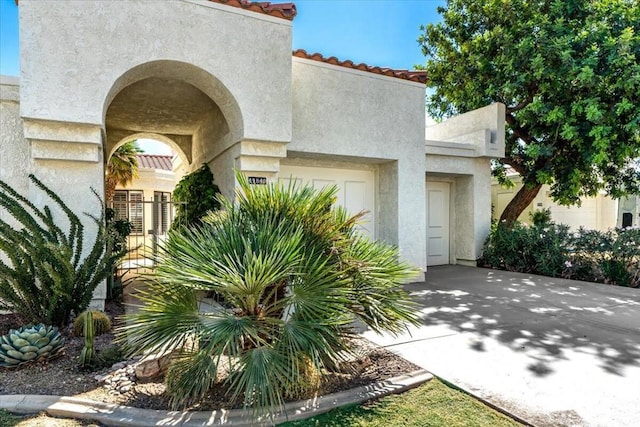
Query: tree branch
point(513, 163)
point(519, 131)
point(521, 105)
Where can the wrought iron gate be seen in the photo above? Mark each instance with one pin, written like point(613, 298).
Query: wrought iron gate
point(150, 219)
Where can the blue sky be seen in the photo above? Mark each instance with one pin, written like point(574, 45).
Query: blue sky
point(376, 32)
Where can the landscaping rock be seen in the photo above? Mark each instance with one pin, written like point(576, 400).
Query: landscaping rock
point(152, 367)
point(121, 379)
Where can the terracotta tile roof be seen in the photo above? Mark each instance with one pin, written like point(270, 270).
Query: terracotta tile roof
point(155, 161)
point(286, 11)
point(414, 76)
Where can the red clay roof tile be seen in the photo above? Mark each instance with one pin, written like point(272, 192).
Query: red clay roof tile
point(155, 161)
point(412, 75)
point(286, 11)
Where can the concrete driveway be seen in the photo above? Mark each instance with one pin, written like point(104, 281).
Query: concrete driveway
point(551, 351)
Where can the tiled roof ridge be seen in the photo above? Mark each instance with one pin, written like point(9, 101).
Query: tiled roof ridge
point(412, 75)
point(155, 161)
point(169, 156)
point(286, 11)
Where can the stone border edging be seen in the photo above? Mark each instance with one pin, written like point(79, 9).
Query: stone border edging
point(116, 415)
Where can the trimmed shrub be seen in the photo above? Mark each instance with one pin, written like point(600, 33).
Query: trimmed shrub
point(549, 249)
point(540, 249)
point(196, 194)
point(611, 256)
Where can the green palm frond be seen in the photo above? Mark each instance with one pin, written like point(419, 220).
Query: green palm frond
point(194, 373)
point(122, 167)
point(291, 274)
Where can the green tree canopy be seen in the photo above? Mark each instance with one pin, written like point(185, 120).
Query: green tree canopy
point(569, 75)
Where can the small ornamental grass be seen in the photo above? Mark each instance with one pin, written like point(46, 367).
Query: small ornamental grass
point(290, 273)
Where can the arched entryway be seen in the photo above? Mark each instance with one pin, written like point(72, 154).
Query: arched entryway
point(188, 110)
point(181, 105)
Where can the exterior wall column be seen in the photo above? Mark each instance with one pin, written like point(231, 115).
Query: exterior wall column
point(257, 159)
point(411, 214)
point(67, 157)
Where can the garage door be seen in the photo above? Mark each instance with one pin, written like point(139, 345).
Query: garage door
point(437, 223)
point(356, 188)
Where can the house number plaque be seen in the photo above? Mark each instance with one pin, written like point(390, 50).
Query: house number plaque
point(258, 180)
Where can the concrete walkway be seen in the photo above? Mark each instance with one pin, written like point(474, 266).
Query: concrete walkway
point(551, 351)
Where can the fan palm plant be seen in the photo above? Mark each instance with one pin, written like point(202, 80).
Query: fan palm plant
point(122, 168)
point(291, 275)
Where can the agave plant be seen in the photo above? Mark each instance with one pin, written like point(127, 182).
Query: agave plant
point(29, 344)
point(291, 275)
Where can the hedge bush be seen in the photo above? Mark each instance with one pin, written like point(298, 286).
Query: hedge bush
point(550, 249)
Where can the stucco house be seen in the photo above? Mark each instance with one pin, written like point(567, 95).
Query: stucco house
point(629, 211)
point(594, 213)
point(218, 82)
point(600, 212)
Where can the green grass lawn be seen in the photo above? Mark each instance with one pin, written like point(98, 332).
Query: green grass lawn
point(7, 419)
point(432, 404)
point(40, 420)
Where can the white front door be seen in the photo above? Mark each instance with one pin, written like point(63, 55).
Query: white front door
point(438, 194)
point(356, 188)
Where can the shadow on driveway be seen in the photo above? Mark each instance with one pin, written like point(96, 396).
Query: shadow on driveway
point(526, 312)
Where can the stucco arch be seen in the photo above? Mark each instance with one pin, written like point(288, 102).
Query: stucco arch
point(155, 136)
point(187, 73)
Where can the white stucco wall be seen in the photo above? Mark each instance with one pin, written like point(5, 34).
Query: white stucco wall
point(594, 213)
point(14, 149)
point(470, 216)
point(70, 175)
point(150, 180)
point(459, 151)
point(53, 163)
point(248, 54)
point(342, 114)
point(77, 56)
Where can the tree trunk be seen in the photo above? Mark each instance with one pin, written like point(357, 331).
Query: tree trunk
point(519, 203)
point(109, 189)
